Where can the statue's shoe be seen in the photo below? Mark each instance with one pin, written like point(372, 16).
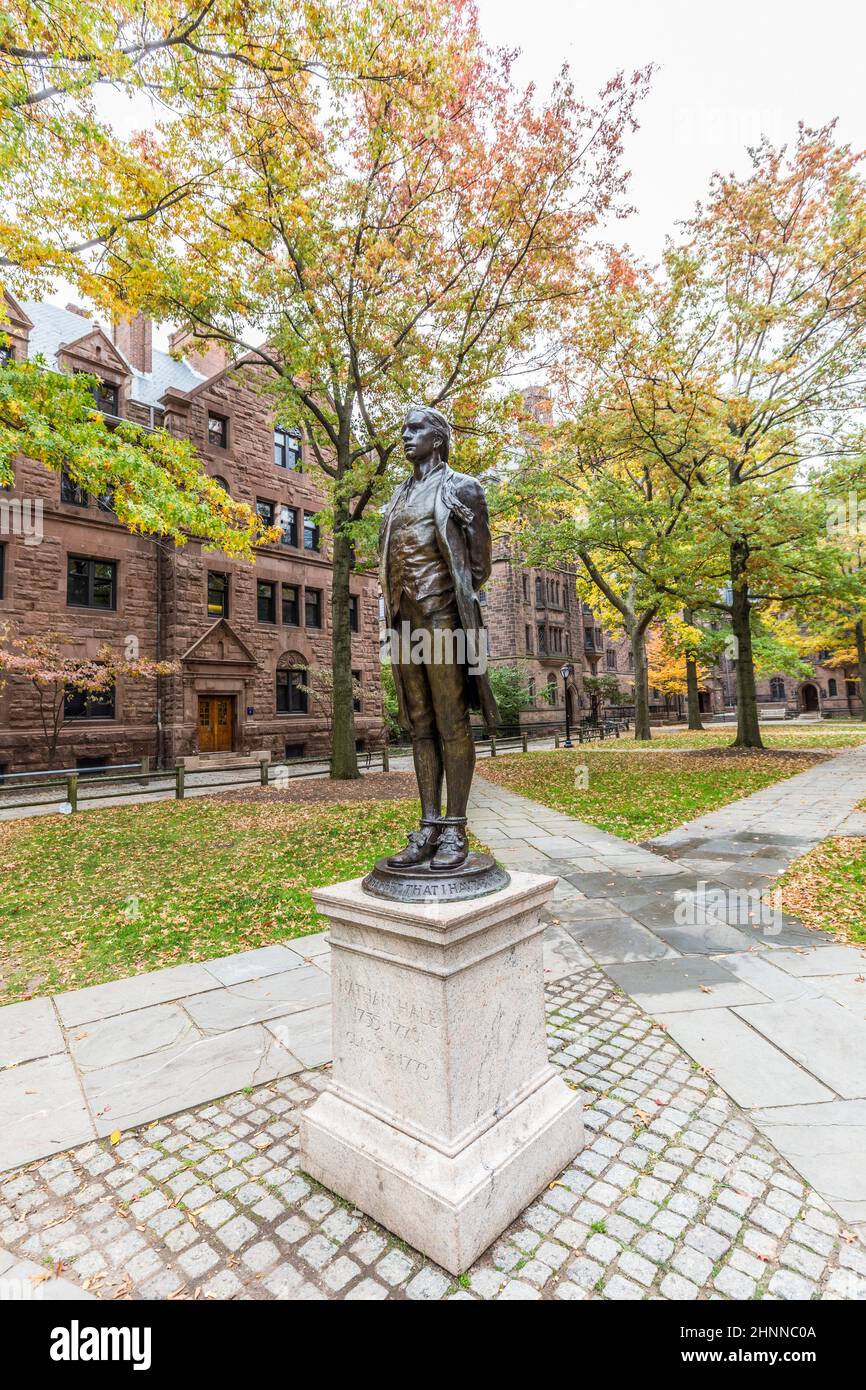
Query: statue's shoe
point(452, 849)
point(420, 847)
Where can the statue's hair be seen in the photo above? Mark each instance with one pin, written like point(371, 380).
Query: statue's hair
point(438, 421)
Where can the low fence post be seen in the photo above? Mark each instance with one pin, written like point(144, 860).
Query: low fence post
point(386, 761)
point(72, 791)
point(179, 779)
point(263, 772)
point(493, 745)
point(145, 769)
point(556, 739)
point(526, 743)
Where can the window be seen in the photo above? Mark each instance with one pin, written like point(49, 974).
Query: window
point(531, 690)
point(105, 502)
point(542, 640)
point(526, 588)
point(850, 688)
point(218, 478)
point(291, 605)
point(266, 511)
point(611, 659)
point(357, 701)
point(7, 354)
point(106, 397)
point(91, 764)
point(312, 608)
point(555, 634)
point(589, 639)
point(551, 689)
point(777, 688)
point(91, 583)
point(287, 450)
point(291, 690)
point(217, 431)
point(266, 601)
point(72, 492)
point(354, 613)
point(311, 532)
point(539, 591)
point(289, 523)
point(565, 596)
point(295, 750)
point(482, 597)
point(217, 594)
point(832, 688)
point(527, 634)
point(92, 704)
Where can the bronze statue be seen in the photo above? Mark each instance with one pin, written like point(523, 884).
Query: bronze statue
point(435, 553)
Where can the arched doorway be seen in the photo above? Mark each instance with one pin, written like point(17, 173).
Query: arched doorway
point(809, 698)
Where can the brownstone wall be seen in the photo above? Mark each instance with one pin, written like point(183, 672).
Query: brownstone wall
point(242, 663)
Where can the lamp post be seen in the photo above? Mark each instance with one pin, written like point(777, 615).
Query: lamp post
point(565, 672)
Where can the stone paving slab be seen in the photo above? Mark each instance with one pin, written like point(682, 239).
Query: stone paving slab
point(751, 1070)
point(145, 1088)
point(93, 1059)
point(682, 983)
point(676, 1195)
point(829, 1141)
point(42, 1110)
point(29, 1030)
point(819, 1034)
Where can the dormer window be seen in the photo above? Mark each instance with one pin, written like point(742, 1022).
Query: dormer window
point(217, 431)
point(105, 394)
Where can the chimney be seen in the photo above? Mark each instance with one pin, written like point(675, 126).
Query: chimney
point(204, 355)
point(538, 403)
point(77, 309)
point(134, 338)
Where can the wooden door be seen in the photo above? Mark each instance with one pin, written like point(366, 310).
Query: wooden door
point(215, 724)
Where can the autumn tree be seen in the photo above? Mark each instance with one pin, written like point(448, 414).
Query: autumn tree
point(397, 245)
point(58, 676)
point(73, 190)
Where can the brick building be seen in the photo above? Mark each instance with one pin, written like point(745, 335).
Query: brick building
point(251, 640)
point(536, 621)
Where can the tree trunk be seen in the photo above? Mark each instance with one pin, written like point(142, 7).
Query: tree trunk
point(692, 694)
point(344, 759)
point(641, 682)
point(860, 638)
point(748, 732)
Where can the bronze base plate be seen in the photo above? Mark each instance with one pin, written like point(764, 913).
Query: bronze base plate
point(477, 876)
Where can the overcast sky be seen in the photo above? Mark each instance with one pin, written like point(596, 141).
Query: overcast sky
point(726, 73)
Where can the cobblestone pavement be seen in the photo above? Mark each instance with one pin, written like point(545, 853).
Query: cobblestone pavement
point(675, 1195)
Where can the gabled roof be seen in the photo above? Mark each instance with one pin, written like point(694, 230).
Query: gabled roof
point(237, 651)
point(53, 326)
point(16, 314)
point(95, 339)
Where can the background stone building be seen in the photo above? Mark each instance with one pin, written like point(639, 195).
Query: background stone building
point(253, 641)
point(536, 622)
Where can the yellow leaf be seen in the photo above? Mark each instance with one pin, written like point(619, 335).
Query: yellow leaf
point(115, 1136)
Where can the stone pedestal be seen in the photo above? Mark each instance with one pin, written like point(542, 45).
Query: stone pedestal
point(444, 1117)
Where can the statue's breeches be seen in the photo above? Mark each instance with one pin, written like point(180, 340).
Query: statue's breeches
point(434, 693)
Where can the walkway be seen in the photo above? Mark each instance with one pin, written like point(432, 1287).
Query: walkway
point(775, 1012)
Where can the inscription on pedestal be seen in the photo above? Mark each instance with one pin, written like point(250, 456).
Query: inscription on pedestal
point(380, 1021)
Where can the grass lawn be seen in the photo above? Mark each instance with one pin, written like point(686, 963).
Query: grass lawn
point(826, 888)
point(636, 796)
point(822, 737)
point(117, 892)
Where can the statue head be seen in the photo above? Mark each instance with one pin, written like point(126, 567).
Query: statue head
point(424, 432)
